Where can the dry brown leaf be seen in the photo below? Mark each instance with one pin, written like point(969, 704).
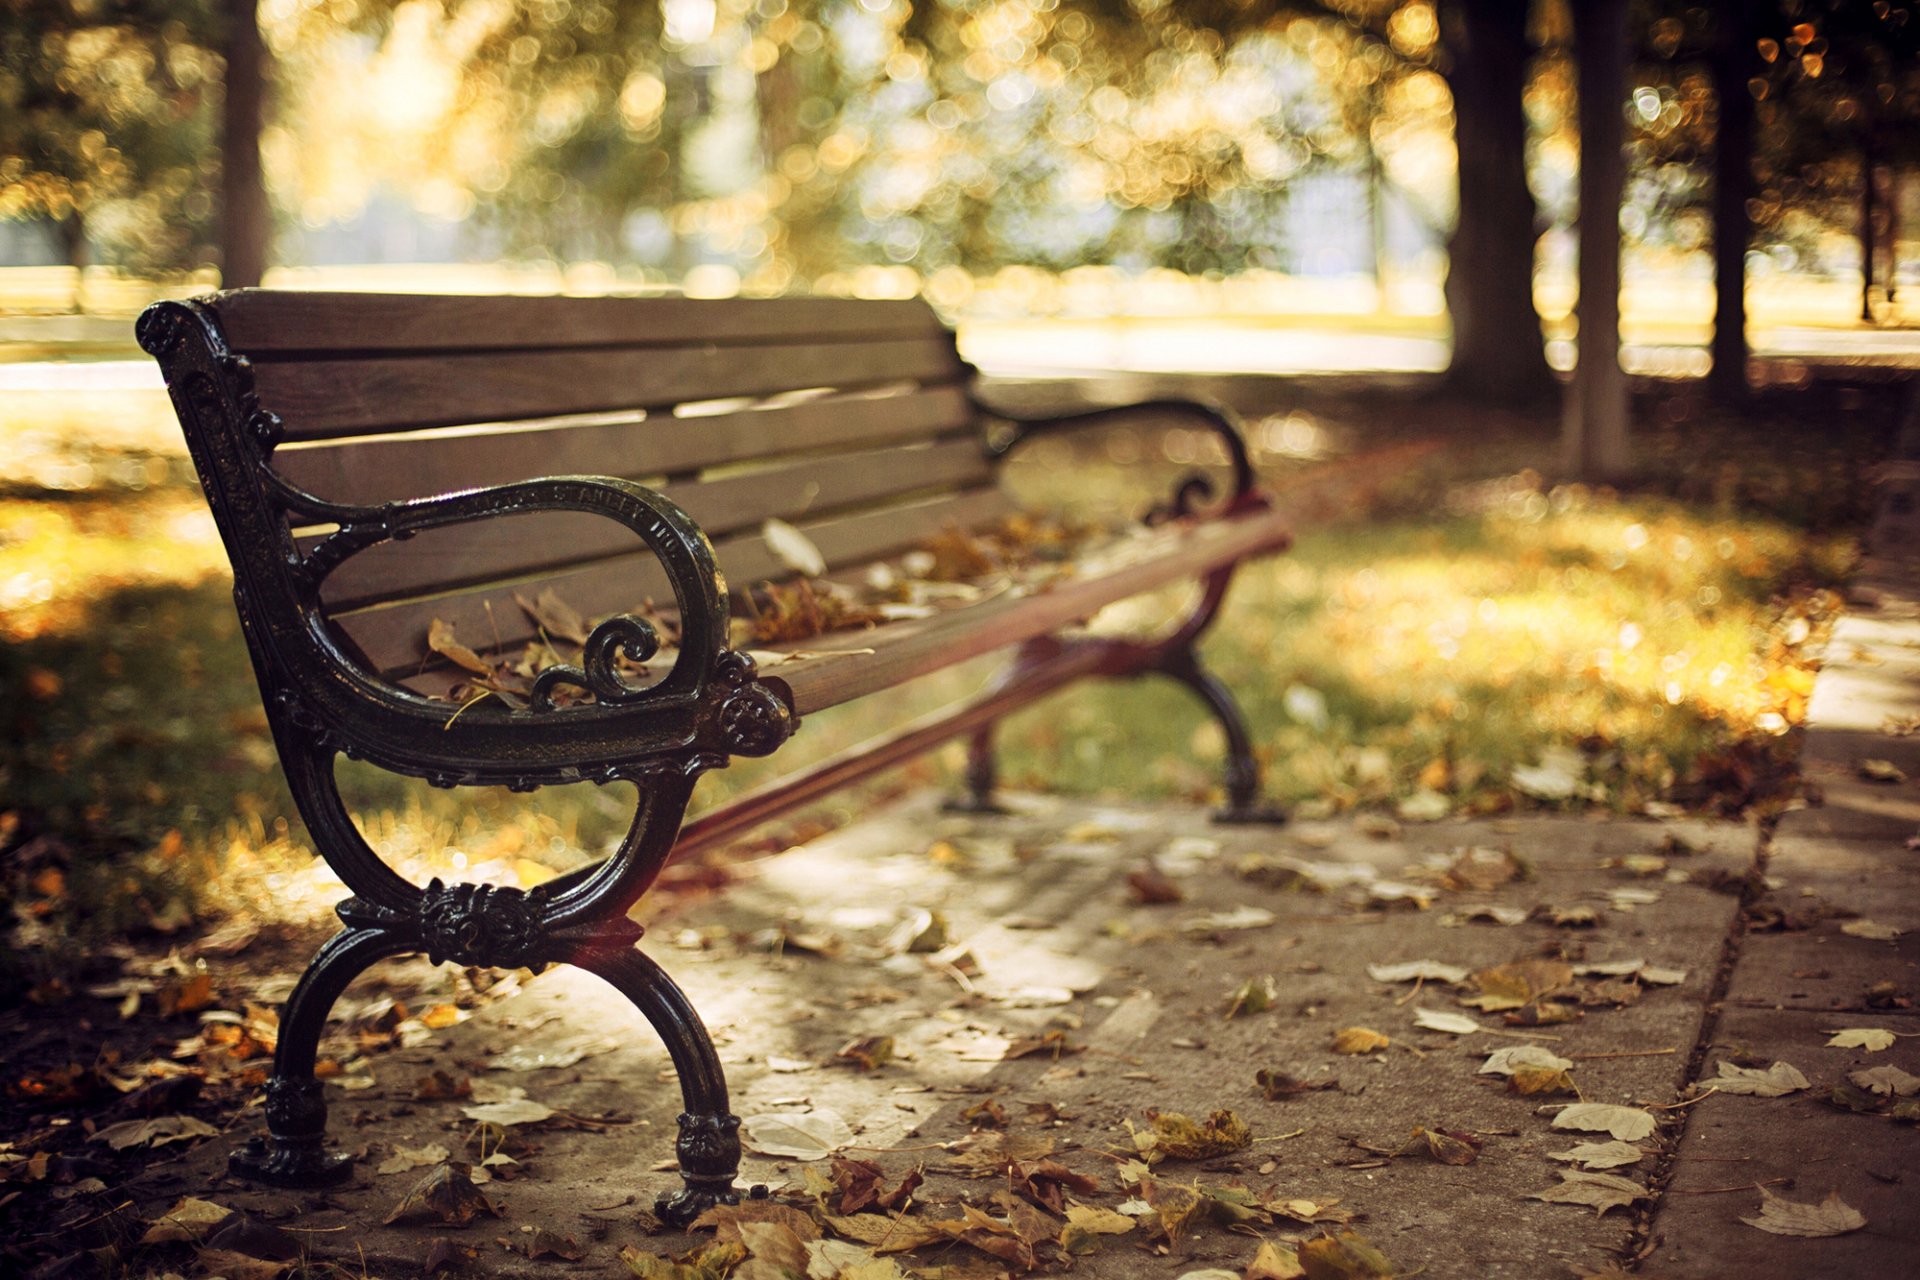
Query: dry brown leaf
point(1782, 1217)
point(1345, 1255)
point(1273, 1261)
point(1172, 1134)
point(886, 1233)
point(555, 616)
point(445, 1195)
point(1601, 1191)
point(441, 640)
point(726, 1220)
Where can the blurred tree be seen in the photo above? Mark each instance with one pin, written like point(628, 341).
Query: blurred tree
point(246, 219)
point(1497, 349)
point(1595, 422)
point(106, 126)
point(1805, 100)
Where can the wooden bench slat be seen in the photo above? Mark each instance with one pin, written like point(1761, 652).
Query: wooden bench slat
point(904, 650)
point(393, 636)
point(836, 670)
point(320, 399)
point(279, 322)
point(387, 469)
point(514, 546)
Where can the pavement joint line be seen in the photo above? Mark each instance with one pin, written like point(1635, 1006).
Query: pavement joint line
point(1645, 1235)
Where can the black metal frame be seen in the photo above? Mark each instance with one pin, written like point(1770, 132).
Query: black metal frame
point(321, 703)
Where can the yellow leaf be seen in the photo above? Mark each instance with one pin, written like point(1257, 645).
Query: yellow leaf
point(1359, 1040)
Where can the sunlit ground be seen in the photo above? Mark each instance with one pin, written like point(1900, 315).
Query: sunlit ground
point(1651, 648)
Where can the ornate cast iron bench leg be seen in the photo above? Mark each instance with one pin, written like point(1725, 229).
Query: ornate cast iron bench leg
point(292, 1154)
point(579, 920)
point(708, 1147)
point(1243, 769)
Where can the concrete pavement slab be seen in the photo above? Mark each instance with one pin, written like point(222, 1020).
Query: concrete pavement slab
point(1732, 1143)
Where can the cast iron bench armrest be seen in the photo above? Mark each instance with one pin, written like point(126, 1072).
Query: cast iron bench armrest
point(697, 704)
point(1220, 419)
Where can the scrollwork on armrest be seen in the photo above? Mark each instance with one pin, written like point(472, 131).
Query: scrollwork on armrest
point(670, 533)
point(1193, 489)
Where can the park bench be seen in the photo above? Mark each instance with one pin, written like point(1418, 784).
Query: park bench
point(378, 465)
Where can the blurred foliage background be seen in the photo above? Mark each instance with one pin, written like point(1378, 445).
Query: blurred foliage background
point(1142, 184)
point(771, 144)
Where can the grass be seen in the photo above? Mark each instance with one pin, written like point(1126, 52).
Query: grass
point(1461, 623)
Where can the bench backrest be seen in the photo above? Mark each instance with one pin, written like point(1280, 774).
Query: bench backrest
point(850, 419)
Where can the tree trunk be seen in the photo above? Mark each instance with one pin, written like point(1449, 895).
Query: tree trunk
point(1595, 426)
point(1733, 64)
point(1498, 352)
point(1867, 225)
point(245, 219)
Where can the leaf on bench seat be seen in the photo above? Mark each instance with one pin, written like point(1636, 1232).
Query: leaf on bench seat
point(555, 616)
point(793, 548)
point(441, 640)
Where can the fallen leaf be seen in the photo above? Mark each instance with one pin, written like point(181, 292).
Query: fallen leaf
point(1522, 982)
point(157, 1132)
point(1557, 777)
point(1629, 1124)
point(1775, 1081)
point(510, 1112)
point(852, 1186)
point(404, 1159)
point(713, 1262)
point(238, 1266)
point(1504, 1062)
point(801, 1135)
point(187, 995)
point(1888, 1080)
point(1482, 870)
point(1273, 1261)
point(1354, 1040)
point(550, 1055)
point(1255, 995)
point(1229, 921)
point(1603, 1191)
point(1171, 1133)
point(244, 1235)
point(1528, 1081)
point(1046, 1182)
point(1872, 1039)
point(1152, 887)
point(544, 1243)
point(869, 1053)
point(793, 548)
point(1874, 769)
point(1424, 805)
point(555, 616)
point(445, 1195)
point(1446, 1146)
point(1600, 1155)
point(1457, 1024)
point(1871, 930)
point(888, 1233)
point(441, 640)
point(1098, 1221)
point(189, 1222)
point(1277, 1085)
point(1343, 1256)
point(1417, 971)
point(1831, 1217)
